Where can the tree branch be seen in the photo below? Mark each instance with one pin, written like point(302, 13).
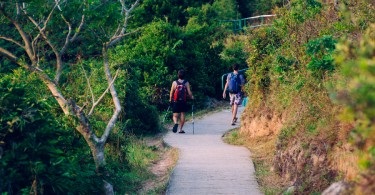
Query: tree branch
point(69, 39)
point(49, 16)
point(115, 99)
point(41, 33)
point(28, 46)
point(90, 88)
point(43, 76)
point(116, 39)
point(59, 63)
point(57, 3)
point(34, 46)
point(120, 32)
point(78, 29)
point(41, 30)
point(102, 96)
point(13, 41)
point(8, 54)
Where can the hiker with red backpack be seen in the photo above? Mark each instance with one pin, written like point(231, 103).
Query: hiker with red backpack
point(234, 85)
point(178, 95)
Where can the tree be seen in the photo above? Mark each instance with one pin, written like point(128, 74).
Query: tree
point(39, 43)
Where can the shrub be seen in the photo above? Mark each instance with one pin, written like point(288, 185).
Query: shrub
point(304, 9)
point(357, 93)
point(39, 154)
point(320, 51)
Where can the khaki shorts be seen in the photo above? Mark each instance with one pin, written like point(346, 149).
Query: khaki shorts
point(235, 98)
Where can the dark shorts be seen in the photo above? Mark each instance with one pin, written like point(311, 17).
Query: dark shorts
point(178, 107)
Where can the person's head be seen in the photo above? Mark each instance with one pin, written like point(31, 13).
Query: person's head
point(181, 74)
point(235, 66)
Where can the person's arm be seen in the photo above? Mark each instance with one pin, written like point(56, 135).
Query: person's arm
point(225, 89)
point(173, 87)
point(189, 90)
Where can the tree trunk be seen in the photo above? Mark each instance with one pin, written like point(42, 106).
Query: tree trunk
point(95, 144)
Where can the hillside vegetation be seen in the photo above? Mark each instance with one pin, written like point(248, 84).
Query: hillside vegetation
point(311, 92)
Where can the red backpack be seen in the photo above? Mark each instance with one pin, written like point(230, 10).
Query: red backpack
point(180, 93)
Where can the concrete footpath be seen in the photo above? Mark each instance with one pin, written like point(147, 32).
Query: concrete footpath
point(206, 164)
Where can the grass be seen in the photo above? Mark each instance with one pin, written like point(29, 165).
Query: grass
point(161, 167)
point(232, 137)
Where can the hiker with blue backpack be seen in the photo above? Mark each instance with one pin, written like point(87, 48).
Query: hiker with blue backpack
point(234, 85)
point(178, 95)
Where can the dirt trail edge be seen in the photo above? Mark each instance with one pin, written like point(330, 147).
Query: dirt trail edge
point(206, 164)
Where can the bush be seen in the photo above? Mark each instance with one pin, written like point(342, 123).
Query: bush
point(39, 154)
point(357, 93)
point(320, 51)
point(303, 10)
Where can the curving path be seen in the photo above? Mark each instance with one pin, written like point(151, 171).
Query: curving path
point(206, 164)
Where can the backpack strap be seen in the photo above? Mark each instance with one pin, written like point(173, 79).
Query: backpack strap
point(232, 74)
point(183, 82)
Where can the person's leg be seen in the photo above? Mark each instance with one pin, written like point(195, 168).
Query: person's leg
point(175, 121)
point(237, 102)
point(232, 103)
point(234, 114)
point(176, 113)
point(175, 118)
point(182, 121)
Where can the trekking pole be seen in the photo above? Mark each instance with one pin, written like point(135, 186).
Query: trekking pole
point(166, 113)
point(192, 115)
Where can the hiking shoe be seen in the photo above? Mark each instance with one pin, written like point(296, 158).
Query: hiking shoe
point(182, 131)
point(233, 123)
point(175, 128)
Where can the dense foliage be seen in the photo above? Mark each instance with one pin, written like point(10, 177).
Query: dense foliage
point(312, 65)
point(39, 153)
point(356, 92)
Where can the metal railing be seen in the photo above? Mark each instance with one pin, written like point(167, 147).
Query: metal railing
point(250, 22)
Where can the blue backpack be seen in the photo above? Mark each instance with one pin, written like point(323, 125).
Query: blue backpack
point(234, 83)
